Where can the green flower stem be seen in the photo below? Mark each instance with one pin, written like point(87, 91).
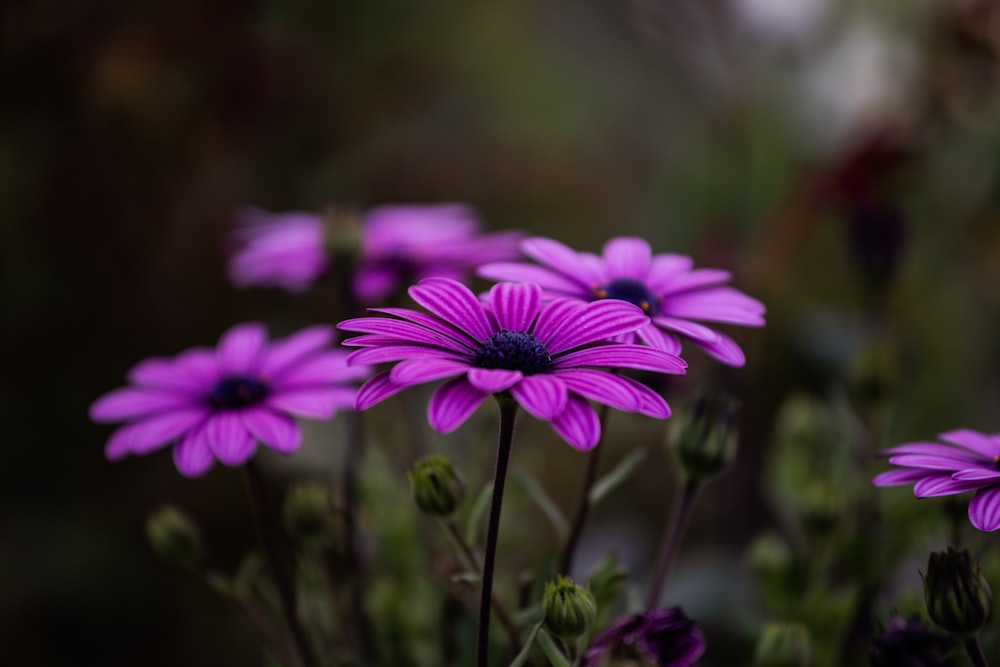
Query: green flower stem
point(505, 438)
point(278, 562)
point(680, 514)
point(583, 501)
point(975, 651)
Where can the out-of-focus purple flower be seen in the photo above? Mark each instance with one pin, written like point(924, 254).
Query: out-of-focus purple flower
point(908, 642)
point(541, 354)
point(661, 637)
point(283, 250)
point(969, 461)
point(401, 245)
point(218, 404)
point(665, 286)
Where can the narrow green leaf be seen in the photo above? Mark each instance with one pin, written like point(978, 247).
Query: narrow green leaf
point(525, 653)
point(473, 523)
point(544, 502)
point(551, 650)
point(616, 476)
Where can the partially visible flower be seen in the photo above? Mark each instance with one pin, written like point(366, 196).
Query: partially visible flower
point(218, 404)
point(401, 245)
point(661, 637)
point(673, 294)
point(283, 250)
point(908, 642)
point(540, 354)
point(970, 461)
point(956, 593)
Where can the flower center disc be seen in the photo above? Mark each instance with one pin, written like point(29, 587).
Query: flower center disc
point(236, 391)
point(513, 351)
point(633, 291)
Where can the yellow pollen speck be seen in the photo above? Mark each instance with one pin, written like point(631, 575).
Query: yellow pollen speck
point(645, 306)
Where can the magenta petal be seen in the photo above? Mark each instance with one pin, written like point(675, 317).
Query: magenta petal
point(627, 257)
point(696, 279)
point(515, 305)
point(693, 330)
point(453, 302)
point(554, 316)
point(277, 431)
point(406, 332)
point(313, 403)
point(129, 403)
point(651, 404)
point(652, 336)
point(380, 355)
point(190, 372)
point(935, 449)
point(378, 388)
point(428, 321)
point(901, 476)
point(287, 352)
point(597, 321)
point(981, 443)
point(228, 438)
point(984, 509)
point(926, 462)
point(119, 444)
point(493, 380)
point(530, 273)
point(154, 432)
point(578, 424)
point(452, 403)
point(942, 485)
point(241, 348)
point(976, 475)
point(725, 350)
point(720, 304)
point(664, 268)
point(420, 370)
point(542, 396)
point(602, 387)
point(580, 266)
point(623, 356)
point(192, 455)
point(322, 369)
point(373, 282)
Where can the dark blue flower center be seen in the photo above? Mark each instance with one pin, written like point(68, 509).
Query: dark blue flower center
point(513, 351)
point(633, 291)
point(237, 391)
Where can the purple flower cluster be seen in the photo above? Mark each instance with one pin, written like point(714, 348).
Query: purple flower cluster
point(968, 461)
point(661, 637)
point(218, 404)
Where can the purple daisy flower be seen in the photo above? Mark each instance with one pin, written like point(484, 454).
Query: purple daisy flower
point(661, 637)
point(217, 404)
point(540, 353)
point(283, 250)
point(970, 461)
point(665, 286)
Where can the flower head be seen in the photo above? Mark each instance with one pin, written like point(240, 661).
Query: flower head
point(661, 637)
point(218, 404)
point(540, 353)
point(664, 286)
point(968, 461)
point(283, 250)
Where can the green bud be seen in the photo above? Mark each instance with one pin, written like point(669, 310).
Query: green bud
point(437, 488)
point(957, 595)
point(569, 609)
point(784, 645)
point(705, 438)
point(309, 514)
point(175, 538)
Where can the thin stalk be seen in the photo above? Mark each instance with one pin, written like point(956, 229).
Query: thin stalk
point(679, 516)
point(583, 501)
point(364, 644)
point(505, 438)
point(277, 558)
point(975, 651)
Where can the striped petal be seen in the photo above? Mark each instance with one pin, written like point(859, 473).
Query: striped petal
point(623, 356)
point(453, 302)
point(627, 257)
point(418, 371)
point(984, 509)
point(378, 388)
point(229, 439)
point(241, 348)
point(515, 305)
point(279, 432)
point(192, 455)
point(493, 380)
point(452, 403)
point(596, 321)
point(542, 396)
point(578, 424)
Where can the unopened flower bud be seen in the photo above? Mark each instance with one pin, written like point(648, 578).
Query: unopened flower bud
point(309, 514)
point(957, 595)
point(437, 488)
point(175, 538)
point(569, 609)
point(705, 438)
point(784, 645)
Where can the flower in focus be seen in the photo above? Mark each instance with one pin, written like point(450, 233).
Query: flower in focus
point(283, 250)
point(661, 637)
point(218, 404)
point(665, 286)
point(969, 461)
point(401, 245)
point(540, 354)
point(908, 642)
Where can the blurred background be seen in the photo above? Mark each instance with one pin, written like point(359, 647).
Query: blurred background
point(840, 158)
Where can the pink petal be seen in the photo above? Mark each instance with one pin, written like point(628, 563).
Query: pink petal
point(542, 396)
point(313, 403)
point(285, 353)
point(926, 462)
point(935, 449)
point(665, 268)
point(154, 432)
point(660, 340)
point(418, 371)
point(623, 356)
point(554, 316)
point(181, 374)
point(627, 257)
point(192, 455)
point(984, 509)
point(380, 355)
point(241, 348)
point(687, 328)
point(602, 387)
point(651, 404)
point(277, 431)
point(515, 305)
point(374, 282)
point(228, 438)
point(128, 403)
point(377, 389)
point(721, 304)
point(430, 322)
point(453, 302)
point(899, 477)
point(452, 403)
point(597, 321)
point(941, 485)
point(978, 442)
point(586, 268)
point(118, 445)
point(406, 332)
point(578, 424)
point(493, 380)
point(725, 350)
point(696, 279)
point(529, 273)
point(324, 369)
point(975, 475)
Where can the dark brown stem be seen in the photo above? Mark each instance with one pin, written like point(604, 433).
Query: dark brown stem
point(679, 516)
point(583, 501)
